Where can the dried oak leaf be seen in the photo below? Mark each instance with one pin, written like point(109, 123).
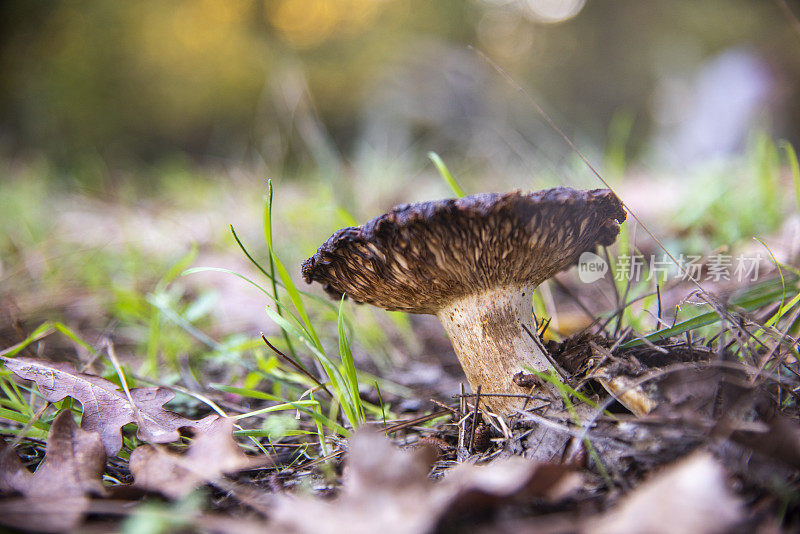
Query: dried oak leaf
point(105, 408)
point(388, 490)
point(689, 496)
point(54, 497)
point(212, 453)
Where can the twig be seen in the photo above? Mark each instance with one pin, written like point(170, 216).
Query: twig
point(658, 294)
point(504, 395)
point(418, 420)
point(296, 366)
point(474, 418)
point(550, 359)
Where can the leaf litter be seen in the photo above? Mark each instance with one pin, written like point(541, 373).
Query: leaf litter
point(55, 496)
point(718, 450)
point(105, 408)
point(715, 450)
point(212, 453)
point(387, 489)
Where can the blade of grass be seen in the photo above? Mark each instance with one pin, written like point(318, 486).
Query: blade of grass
point(43, 330)
point(294, 294)
point(176, 318)
point(268, 240)
point(348, 366)
point(747, 304)
point(337, 381)
point(299, 405)
point(296, 364)
point(294, 405)
point(566, 394)
point(794, 167)
point(445, 173)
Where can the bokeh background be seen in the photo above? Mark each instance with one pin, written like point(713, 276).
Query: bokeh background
point(331, 87)
point(132, 134)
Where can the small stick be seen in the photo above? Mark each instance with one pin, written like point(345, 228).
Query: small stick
point(462, 409)
point(658, 294)
point(545, 326)
point(446, 407)
point(296, 365)
point(560, 370)
point(412, 422)
point(474, 418)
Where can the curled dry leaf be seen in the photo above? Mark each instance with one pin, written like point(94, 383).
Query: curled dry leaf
point(388, 490)
point(105, 408)
point(54, 497)
point(212, 453)
point(690, 496)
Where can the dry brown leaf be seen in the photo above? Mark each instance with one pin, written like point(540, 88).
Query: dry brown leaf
point(54, 497)
point(105, 408)
point(388, 490)
point(212, 453)
point(690, 496)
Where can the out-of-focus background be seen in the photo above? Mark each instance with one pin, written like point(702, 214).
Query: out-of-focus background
point(331, 86)
point(132, 134)
point(349, 87)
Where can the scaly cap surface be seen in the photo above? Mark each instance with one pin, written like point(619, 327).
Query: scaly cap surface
point(419, 257)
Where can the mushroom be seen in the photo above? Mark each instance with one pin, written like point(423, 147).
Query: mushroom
point(473, 262)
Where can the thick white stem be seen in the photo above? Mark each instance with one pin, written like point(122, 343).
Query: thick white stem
point(487, 333)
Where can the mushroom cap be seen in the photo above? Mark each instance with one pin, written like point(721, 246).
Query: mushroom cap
point(420, 257)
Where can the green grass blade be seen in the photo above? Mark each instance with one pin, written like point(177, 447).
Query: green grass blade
point(335, 377)
point(300, 405)
point(566, 393)
point(346, 217)
point(67, 331)
point(794, 167)
point(267, 223)
point(561, 386)
point(288, 284)
point(249, 256)
point(744, 302)
point(294, 405)
point(43, 330)
point(177, 268)
point(445, 173)
point(245, 392)
point(784, 309)
point(349, 367)
point(176, 318)
point(294, 296)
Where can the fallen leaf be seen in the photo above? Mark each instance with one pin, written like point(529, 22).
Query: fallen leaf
point(54, 497)
point(212, 453)
point(690, 496)
point(105, 408)
point(388, 490)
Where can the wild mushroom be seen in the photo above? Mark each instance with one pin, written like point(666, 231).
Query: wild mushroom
point(474, 262)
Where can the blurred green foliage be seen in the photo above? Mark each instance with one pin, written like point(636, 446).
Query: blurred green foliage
point(136, 82)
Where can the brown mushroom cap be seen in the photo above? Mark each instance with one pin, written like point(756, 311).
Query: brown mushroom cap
point(419, 257)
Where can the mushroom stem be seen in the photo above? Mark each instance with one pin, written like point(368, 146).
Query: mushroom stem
point(487, 333)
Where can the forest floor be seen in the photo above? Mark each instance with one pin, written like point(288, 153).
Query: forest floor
point(138, 394)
